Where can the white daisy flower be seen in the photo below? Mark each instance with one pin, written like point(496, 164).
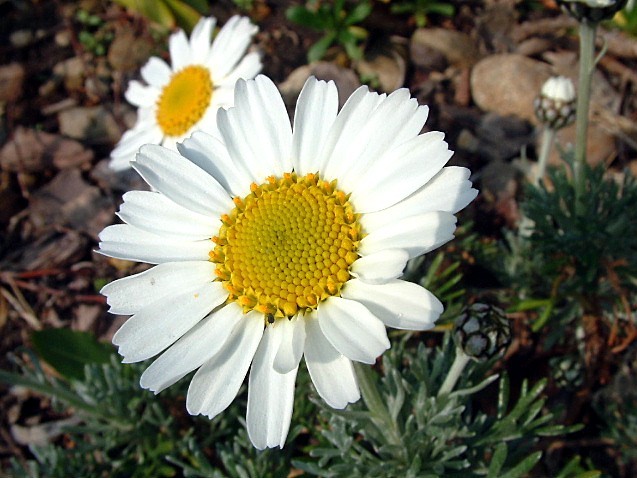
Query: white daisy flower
point(184, 97)
point(275, 243)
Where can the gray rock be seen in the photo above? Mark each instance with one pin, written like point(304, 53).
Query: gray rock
point(93, 124)
point(507, 84)
point(31, 151)
point(457, 48)
point(68, 200)
point(345, 79)
point(387, 67)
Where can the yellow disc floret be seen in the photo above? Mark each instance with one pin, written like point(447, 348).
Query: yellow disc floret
point(287, 245)
point(184, 100)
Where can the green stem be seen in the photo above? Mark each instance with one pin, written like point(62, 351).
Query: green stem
point(458, 365)
point(66, 396)
point(586, 65)
point(548, 136)
point(377, 408)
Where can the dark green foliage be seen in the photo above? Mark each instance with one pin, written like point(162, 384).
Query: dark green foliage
point(617, 406)
point(68, 351)
point(442, 275)
point(94, 34)
point(421, 9)
point(184, 13)
point(337, 21)
point(593, 251)
point(562, 262)
point(626, 19)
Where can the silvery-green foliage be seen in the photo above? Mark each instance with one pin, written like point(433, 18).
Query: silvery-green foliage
point(122, 434)
point(432, 436)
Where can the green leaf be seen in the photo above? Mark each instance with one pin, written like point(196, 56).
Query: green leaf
point(359, 33)
point(200, 5)
point(156, 11)
point(441, 9)
point(186, 16)
point(529, 304)
point(349, 42)
point(359, 13)
point(305, 17)
point(522, 468)
point(503, 396)
point(353, 51)
point(499, 457)
point(317, 50)
point(68, 351)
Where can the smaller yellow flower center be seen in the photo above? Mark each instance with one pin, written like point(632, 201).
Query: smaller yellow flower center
point(184, 100)
point(287, 245)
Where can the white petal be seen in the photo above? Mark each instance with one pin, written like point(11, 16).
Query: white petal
point(180, 54)
point(352, 329)
point(158, 325)
point(316, 110)
point(416, 234)
point(413, 126)
point(331, 372)
point(399, 172)
point(131, 294)
point(146, 117)
point(130, 143)
point(292, 333)
point(217, 382)
point(141, 95)
point(270, 395)
point(449, 191)
point(156, 72)
point(380, 266)
point(155, 213)
point(211, 155)
point(170, 142)
point(399, 304)
point(197, 346)
point(127, 242)
point(230, 45)
point(182, 181)
point(200, 39)
point(379, 135)
point(248, 68)
point(349, 122)
point(260, 135)
point(223, 97)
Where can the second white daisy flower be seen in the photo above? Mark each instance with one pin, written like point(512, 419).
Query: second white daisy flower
point(275, 243)
point(180, 98)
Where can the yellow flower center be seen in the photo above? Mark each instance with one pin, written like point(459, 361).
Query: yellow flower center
point(287, 245)
point(184, 100)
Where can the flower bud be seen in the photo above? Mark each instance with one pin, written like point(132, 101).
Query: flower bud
point(592, 10)
point(482, 331)
point(555, 106)
point(567, 371)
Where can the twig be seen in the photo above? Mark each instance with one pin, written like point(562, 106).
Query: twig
point(21, 306)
